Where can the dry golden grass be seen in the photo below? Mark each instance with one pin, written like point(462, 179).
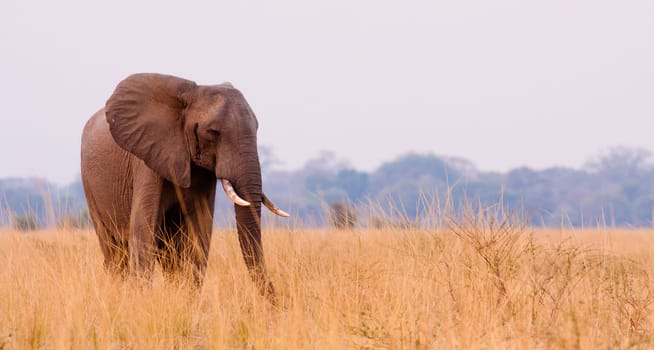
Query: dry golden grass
point(474, 285)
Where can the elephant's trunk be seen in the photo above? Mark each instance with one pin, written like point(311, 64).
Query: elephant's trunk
point(248, 218)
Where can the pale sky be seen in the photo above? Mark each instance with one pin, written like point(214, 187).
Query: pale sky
point(502, 83)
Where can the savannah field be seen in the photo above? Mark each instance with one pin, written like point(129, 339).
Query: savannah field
point(475, 283)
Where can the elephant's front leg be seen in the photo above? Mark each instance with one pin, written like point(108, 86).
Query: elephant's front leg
point(200, 225)
point(144, 221)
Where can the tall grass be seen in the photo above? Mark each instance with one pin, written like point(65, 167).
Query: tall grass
point(482, 280)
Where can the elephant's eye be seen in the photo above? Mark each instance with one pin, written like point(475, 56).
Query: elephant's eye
point(214, 133)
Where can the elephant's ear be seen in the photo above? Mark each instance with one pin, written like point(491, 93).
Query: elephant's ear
point(146, 117)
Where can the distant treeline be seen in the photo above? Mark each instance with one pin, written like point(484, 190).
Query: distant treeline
point(614, 189)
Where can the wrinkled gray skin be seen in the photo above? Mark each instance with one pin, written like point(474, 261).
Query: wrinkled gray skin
point(150, 163)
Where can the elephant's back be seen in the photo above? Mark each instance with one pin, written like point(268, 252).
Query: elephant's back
point(106, 171)
point(100, 154)
point(95, 139)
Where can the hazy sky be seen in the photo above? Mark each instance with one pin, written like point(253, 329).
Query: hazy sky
point(501, 83)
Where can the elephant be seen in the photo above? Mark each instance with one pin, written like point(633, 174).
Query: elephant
point(150, 163)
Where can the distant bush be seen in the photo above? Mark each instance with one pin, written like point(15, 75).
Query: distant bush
point(80, 221)
point(403, 223)
point(26, 222)
point(342, 216)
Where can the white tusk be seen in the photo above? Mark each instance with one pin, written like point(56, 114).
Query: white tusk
point(229, 191)
point(273, 207)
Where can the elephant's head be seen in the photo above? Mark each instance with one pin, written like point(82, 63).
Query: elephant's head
point(173, 124)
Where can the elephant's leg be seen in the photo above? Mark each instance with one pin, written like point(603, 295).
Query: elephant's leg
point(169, 242)
point(115, 252)
point(144, 222)
point(199, 221)
point(113, 249)
point(183, 244)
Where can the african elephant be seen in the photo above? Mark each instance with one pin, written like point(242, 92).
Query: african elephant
point(150, 162)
